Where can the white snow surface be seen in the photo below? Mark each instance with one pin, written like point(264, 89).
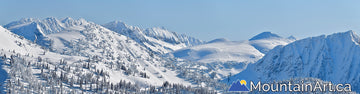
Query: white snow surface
point(265, 45)
point(13, 42)
point(158, 40)
point(226, 57)
point(328, 57)
point(222, 50)
point(82, 40)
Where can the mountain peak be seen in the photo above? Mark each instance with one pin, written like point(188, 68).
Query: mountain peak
point(291, 37)
point(351, 32)
point(348, 35)
point(159, 32)
point(117, 26)
point(326, 57)
point(157, 28)
point(51, 18)
point(21, 21)
point(218, 40)
point(34, 29)
point(118, 23)
point(67, 19)
point(27, 19)
point(265, 35)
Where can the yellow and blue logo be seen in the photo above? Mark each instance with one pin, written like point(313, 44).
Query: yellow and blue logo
point(239, 86)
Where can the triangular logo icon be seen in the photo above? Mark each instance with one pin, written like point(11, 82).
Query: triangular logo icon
point(239, 86)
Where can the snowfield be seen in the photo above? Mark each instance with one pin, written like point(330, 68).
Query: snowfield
point(220, 52)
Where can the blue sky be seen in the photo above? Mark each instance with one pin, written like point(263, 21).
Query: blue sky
point(203, 19)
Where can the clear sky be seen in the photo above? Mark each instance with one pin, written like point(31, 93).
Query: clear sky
point(203, 19)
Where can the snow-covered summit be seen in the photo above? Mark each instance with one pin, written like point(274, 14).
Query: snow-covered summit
point(118, 26)
point(350, 36)
point(171, 37)
point(159, 40)
point(68, 22)
point(223, 50)
point(291, 37)
point(48, 25)
point(218, 40)
point(265, 35)
point(266, 41)
point(36, 29)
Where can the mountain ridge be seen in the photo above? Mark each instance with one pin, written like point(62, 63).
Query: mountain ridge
point(327, 57)
point(159, 40)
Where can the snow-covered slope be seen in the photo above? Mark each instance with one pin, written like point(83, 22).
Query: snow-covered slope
point(265, 41)
point(37, 30)
point(13, 46)
point(80, 56)
point(171, 37)
point(332, 58)
point(156, 39)
point(226, 51)
point(222, 50)
point(109, 49)
point(223, 57)
point(218, 40)
point(13, 42)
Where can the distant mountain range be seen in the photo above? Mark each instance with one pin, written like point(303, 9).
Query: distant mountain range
point(223, 50)
point(158, 40)
point(67, 55)
point(121, 57)
point(230, 57)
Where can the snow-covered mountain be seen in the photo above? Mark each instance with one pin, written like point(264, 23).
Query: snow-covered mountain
point(265, 41)
point(80, 37)
point(171, 37)
point(37, 30)
point(159, 40)
point(12, 67)
point(77, 56)
point(88, 52)
point(222, 50)
point(12, 42)
point(332, 58)
point(111, 50)
point(225, 57)
point(218, 40)
point(265, 35)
